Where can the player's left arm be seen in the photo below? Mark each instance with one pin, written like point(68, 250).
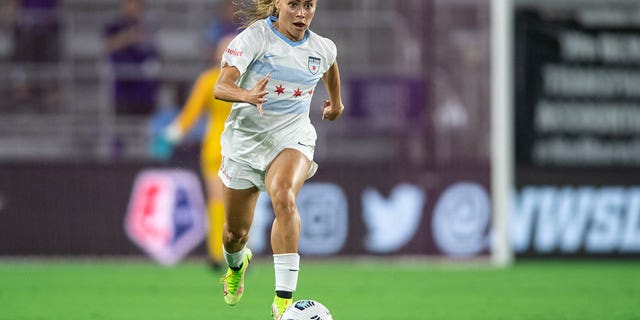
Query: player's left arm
point(332, 108)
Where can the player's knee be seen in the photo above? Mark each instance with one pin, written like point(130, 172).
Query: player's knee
point(240, 235)
point(284, 203)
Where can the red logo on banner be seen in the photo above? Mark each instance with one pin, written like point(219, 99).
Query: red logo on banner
point(166, 216)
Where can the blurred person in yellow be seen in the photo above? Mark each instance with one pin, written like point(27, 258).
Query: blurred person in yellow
point(202, 100)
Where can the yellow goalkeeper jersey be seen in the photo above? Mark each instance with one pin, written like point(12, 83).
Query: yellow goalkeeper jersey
point(201, 99)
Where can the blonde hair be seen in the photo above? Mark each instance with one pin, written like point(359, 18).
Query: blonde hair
point(255, 10)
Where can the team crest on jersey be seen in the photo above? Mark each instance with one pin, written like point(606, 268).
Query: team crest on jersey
point(314, 65)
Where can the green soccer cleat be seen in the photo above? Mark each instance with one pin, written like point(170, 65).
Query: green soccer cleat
point(279, 306)
point(233, 281)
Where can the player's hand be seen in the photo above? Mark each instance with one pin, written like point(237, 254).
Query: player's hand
point(330, 111)
point(256, 95)
point(163, 141)
point(161, 147)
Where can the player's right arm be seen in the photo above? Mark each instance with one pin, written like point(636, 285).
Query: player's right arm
point(238, 56)
point(226, 88)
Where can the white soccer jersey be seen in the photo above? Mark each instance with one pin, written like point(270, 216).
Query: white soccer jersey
point(295, 69)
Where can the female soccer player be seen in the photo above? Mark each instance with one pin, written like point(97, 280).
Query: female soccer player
point(270, 71)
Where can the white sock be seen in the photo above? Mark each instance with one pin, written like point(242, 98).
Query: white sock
point(234, 259)
point(286, 266)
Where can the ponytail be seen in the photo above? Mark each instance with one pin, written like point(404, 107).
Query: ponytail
point(255, 10)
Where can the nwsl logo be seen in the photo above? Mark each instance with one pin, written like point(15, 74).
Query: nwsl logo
point(166, 216)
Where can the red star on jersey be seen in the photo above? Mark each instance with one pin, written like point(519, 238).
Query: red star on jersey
point(311, 91)
point(297, 93)
point(280, 89)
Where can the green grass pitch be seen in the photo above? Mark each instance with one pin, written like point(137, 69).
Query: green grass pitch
point(353, 290)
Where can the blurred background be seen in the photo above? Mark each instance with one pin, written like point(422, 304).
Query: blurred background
point(91, 196)
point(405, 171)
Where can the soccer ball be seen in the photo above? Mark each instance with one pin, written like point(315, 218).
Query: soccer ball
point(306, 310)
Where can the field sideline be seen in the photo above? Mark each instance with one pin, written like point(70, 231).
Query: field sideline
point(354, 290)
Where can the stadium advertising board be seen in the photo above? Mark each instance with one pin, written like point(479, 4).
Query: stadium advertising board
point(567, 220)
point(577, 132)
point(578, 88)
point(345, 211)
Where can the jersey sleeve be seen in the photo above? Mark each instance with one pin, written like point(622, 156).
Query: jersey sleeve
point(333, 52)
point(329, 53)
point(243, 49)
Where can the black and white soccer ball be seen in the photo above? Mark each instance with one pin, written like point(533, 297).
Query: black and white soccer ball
point(306, 310)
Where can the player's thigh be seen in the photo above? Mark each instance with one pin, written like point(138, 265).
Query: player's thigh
point(239, 206)
point(288, 171)
point(214, 188)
